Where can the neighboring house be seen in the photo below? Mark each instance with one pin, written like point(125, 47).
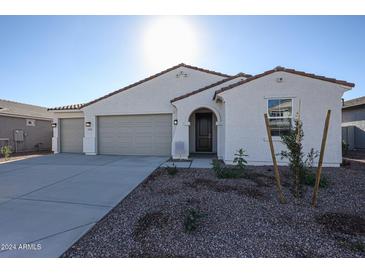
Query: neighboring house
point(25, 127)
point(353, 123)
point(186, 109)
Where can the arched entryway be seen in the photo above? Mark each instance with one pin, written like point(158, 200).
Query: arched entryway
point(203, 132)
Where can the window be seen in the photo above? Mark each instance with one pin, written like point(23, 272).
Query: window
point(280, 113)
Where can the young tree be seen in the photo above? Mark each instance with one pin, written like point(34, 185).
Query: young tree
point(294, 154)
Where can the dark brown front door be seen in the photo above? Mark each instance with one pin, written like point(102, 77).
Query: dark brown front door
point(203, 132)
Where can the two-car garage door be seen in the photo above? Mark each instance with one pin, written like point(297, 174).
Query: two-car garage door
point(135, 134)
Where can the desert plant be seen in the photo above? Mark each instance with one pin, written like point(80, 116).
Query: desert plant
point(310, 179)
point(308, 176)
point(311, 156)
point(240, 160)
point(294, 154)
point(6, 151)
point(223, 172)
point(171, 170)
point(192, 219)
point(299, 164)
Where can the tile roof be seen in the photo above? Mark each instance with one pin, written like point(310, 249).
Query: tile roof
point(68, 107)
point(301, 73)
point(210, 86)
point(354, 102)
point(10, 108)
point(155, 76)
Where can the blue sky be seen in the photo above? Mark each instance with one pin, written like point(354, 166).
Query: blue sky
point(57, 60)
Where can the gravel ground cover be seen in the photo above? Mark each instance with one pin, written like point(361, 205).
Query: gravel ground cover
point(237, 218)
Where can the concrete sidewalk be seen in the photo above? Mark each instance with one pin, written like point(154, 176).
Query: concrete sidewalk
point(47, 203)
point(191, 163)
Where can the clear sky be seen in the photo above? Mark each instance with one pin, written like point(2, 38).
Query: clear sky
point(58, 60)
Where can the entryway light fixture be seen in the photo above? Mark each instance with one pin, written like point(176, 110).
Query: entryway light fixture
point(175, 122)
point(88, 124)
point(54, 125)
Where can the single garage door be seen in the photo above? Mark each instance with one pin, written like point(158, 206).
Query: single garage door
point(135, 134)
point(72, 133)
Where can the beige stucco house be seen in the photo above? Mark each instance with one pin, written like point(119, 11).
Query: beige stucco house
point(186, 109)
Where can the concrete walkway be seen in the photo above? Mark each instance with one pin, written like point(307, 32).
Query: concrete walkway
point(191, 163)
point(47, 203)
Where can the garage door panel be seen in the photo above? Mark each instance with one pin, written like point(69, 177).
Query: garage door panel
point(72, 133)
point(135, 134)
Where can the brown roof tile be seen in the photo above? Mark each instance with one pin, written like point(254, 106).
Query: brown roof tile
point(301, 73)
point(154, 76)
point(210, 86)
point(68, 107)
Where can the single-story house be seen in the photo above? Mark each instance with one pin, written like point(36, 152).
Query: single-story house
point(25, 127)
point(353, 123)
point(186, 109)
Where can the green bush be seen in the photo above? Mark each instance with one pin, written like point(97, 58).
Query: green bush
point(223, 172)
point(171, 170)
point(240, 160)
point(310, 179)
point(192, 219)
point(6, 151)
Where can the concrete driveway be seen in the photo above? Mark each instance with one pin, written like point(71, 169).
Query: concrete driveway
point(48, 203)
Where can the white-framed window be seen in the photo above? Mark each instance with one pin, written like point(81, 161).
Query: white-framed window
point(280, 114)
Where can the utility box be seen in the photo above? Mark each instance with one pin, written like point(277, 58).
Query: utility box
point(18, 135)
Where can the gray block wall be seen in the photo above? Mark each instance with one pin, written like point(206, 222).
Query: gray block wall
point(41, 132)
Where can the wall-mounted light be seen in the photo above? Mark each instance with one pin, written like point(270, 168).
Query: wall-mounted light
point(54, 125)
point(175, 122)
point(88, 124)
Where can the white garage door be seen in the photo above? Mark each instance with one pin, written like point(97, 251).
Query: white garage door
point(135, 134)
point(72, 133)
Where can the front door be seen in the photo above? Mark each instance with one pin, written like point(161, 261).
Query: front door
point(203, 132)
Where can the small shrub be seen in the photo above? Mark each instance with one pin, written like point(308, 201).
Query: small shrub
point(310, 179)
point(6, 151)
point(240, 160)
point(294, 153)
point(192, 219)
point(225, 172)
point(171, 170)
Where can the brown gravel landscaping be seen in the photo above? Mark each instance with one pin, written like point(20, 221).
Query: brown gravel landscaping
point(236, 217)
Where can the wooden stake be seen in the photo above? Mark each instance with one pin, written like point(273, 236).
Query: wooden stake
point(320, 162)
point(276, 170)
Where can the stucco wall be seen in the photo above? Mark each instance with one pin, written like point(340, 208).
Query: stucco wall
point(245, 106)
point(40, 133)
point(151, 97)
point(186, 106)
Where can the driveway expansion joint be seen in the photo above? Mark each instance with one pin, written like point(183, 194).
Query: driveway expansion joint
point(61, 202)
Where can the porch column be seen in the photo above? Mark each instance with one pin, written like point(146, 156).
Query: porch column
point(56, 136)
point(220, 138)
point(90, 135)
